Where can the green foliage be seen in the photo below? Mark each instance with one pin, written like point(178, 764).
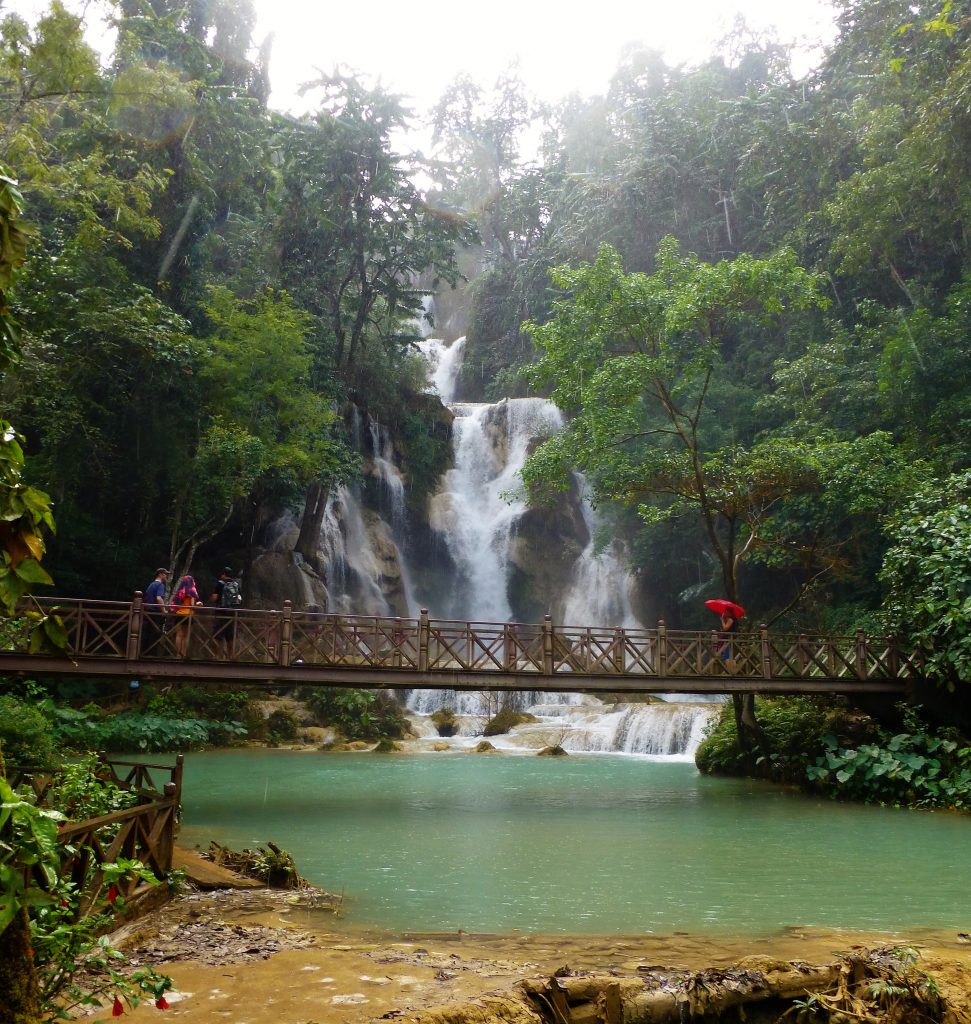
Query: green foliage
point(28, 846)
point(80, 789)
point(26, 735)
point(215, 703)
point(793, 729)
point(132, 731)
point(917, 768)
point(358, 714)
point(927, 574)
point(282, 724)
point(505, 720)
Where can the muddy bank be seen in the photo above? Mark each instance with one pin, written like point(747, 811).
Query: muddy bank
point(266, 957)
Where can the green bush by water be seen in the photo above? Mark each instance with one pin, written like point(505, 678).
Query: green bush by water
point(358, 714)
point(821, 746)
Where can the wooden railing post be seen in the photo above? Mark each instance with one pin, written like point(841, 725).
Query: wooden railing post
point(619, 651)
point(893, 656)
point(547, 645)
point(423, 640)
point(801, 660)
point(166, 840)
point(860, 645)
point(766, 651)
point(135, 627)
point(662, 649)
point(286, 634)
point(508, 650)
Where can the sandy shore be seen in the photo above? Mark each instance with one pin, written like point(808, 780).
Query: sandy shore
point(265, 957)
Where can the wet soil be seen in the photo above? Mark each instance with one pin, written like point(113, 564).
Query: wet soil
point(269, 957)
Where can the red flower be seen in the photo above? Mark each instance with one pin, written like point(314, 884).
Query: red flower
point(117, 1009)
point(112, 893)
point(161, 1003)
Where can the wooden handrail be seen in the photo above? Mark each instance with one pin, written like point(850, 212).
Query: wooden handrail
point(293, 644)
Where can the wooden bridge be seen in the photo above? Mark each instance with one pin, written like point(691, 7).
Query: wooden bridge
point(127, 640)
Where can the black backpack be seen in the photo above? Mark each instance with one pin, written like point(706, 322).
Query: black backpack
point(230, 596)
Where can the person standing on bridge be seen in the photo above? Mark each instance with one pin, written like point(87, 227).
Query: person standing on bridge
point(226, 596)
point(184, 602)
point(153, 626)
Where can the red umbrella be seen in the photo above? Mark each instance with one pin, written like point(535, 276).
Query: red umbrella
point(722, 607)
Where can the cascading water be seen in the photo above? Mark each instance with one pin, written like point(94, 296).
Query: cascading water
point(476, 524)
point(476, 510)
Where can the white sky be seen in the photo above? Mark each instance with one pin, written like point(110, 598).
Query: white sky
point(560, 46)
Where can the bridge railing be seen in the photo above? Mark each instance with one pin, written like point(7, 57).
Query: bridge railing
point(128, 631)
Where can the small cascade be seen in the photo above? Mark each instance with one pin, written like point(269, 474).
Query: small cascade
point(390, 480)
point(598, 593)
point(352, 566)
point(444, 362)
point(657, 729)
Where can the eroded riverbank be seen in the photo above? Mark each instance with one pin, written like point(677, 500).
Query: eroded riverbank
point(264, 957)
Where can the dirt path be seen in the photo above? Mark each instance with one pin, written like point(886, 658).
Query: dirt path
point(264, 957)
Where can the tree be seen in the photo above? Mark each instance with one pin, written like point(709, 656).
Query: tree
point(352, 235)
point(927, 573)
point(632, 359)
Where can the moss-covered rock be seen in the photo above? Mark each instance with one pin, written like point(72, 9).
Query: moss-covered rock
point(483, 747)
point(445, 722)
point(386, 746)
point(506, 720)
point(554, 751)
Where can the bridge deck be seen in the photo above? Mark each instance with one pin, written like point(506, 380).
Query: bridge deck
point(124, 639)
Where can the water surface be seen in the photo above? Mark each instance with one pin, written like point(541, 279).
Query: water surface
point(583, 844)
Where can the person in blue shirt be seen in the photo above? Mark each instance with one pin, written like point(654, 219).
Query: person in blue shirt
point(154, 621)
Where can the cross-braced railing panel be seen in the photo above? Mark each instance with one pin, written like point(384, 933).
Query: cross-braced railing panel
point(112, 630)
point(591, 651)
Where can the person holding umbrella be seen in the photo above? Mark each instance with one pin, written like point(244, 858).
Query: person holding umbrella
point(730, 613)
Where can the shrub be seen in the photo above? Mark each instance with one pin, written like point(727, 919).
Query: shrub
point(81, 730)
point(359, 714)
point(26, 735)
point(444, 721)
point(794, 728)
point(282, 724)
point(506, 720)
point(917, 767)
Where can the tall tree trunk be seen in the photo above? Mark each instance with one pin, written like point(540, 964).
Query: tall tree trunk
point(19, 992)
point(308, 542)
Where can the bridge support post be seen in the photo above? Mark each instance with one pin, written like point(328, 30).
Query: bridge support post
point(135, 627)
point(508, 651)
point(662, 649)
point(286, 634)
point(766, 651)
point(860, 646)
point(893, 656)
point(423, 640)
point(619, 650)
point(547, 645)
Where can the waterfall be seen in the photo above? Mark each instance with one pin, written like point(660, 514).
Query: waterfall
point(598, 592)
point(657, 729)
point(464, 570)
point(444, 362)
point(476, 505)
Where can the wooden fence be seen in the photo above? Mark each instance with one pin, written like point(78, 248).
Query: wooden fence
point(145, 831)
point(425, 651)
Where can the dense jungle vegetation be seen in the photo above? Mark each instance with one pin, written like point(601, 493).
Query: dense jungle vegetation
point(749, 290)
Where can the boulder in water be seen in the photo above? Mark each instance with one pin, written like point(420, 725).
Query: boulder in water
point(554, 751)
point(483, 747)
point(506, 720)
